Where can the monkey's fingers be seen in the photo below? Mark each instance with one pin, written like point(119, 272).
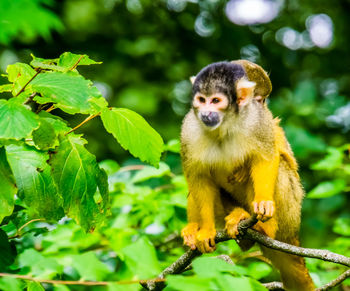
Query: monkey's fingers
point(264, 209)
point(206, 240)
point(190, 241)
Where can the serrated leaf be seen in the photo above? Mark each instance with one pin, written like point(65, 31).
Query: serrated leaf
point(134, 134)
point(45, 137)
point(16, 121)
point(34, 181)
point(20, 74)
point(8, 188)
point(77, 175)
point(69, 92)
point(69, 60)
point(327, 189)
point(16, 18)
point(46, 64)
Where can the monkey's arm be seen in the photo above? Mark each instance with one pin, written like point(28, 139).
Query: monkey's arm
point(264, 174)
point(200, 211)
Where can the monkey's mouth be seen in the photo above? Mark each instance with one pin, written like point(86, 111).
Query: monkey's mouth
point(210, 118)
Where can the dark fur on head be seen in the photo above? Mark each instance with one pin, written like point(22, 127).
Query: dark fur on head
point(219, 77)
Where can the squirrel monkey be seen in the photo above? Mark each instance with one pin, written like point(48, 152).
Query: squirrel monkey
point(237, 162)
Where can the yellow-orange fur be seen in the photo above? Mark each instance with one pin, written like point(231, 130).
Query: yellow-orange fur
point(245, 166)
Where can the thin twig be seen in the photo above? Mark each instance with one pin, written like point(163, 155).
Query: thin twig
point(52, 107)
point(83, 122)
point(18, 232)
point(274, 285)
point(63, 282)
point(31, 79)
point(335, 282)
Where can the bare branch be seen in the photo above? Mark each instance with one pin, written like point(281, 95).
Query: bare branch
point(246, 232)
point(335, 282)
point(274, 285)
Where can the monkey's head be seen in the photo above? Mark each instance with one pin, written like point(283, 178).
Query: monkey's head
point(227, 86)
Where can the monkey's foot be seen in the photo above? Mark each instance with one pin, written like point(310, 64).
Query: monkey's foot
point(189, 233)
point(206, 240)
point(264, 209)
point(233, 219)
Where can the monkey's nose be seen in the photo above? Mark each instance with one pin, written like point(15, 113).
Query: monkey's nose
point(210, 118)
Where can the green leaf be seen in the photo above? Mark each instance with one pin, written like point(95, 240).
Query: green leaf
point(173, 146)
point(16, 18)
point(141, 258)
point(38, 264)
point(259, 270)
point(8, 187)
point(149, 172)
point(89, 267)
point(11, 284)
point(342, 226)
point(332, 160)
point(110, 166)
point(210, 267)
point(34, 286)
point(16, 121)
point(134, 134)
point(20, 74)
point(181, 283)
point(58, 123)
point(45, 136)
point(46, 64)
point(98, 104)
point(7, 252)
point(119, 287)
point(69, 92)
point(34, 181)
point(68, 60)
point(6, 88)
point(77, 175)
point(327, 189)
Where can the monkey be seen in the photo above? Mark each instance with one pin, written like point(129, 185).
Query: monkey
point(237, 162)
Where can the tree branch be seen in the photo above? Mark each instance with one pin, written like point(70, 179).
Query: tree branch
point(246, 232)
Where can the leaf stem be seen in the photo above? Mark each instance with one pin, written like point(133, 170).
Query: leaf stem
point(83, 122)
point(76, 64)
point(31, 79)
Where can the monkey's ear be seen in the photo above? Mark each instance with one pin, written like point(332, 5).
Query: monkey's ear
point(257, 74)
point(192, 79)
point(245, 90)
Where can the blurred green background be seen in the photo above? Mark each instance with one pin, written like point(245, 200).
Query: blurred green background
point(150, 49)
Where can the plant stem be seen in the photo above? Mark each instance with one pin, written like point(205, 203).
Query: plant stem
point(31, 79)
point(83, 122)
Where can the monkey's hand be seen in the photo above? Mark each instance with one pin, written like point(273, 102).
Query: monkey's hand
point(189, 233)
point(206, 240)
point(233, 219)
point(264, 209)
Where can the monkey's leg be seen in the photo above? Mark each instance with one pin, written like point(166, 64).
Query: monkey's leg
point(294, 275)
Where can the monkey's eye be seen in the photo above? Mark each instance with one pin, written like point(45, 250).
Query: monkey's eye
point(215, 100)
point(201, 99)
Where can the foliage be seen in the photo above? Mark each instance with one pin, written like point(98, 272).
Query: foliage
point(45, 167)
point(150, 49)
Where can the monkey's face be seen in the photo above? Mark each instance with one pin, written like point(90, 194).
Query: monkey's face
point(210, 109)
